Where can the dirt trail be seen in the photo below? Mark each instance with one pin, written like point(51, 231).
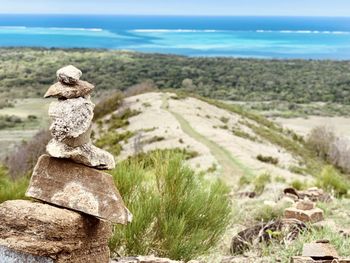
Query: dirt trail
point(229, 165)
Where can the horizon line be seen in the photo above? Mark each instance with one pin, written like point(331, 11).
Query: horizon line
point(174, 15)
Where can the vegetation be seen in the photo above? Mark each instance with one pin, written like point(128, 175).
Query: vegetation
point(108, 104)
point(12, 189)
point(177, 213)
point(26, 72)
point(267, 159)
point(111, 141)
point(332, 181)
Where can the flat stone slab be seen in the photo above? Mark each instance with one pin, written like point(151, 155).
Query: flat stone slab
point(37, 232)
point(64, 91)
point(78, 187)
point(319, 250)
point(312, 215)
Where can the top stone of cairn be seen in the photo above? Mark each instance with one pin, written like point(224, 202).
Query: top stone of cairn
point(68, 75)
point(69, 85)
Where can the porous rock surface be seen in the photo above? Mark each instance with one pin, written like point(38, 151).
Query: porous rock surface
point(67, 184)
point(34, 230)
point(64, 91)
point(70, 118)
point(69, 74)
point(86, 154)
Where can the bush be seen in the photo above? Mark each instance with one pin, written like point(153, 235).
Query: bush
point(267, 159)
point(331, 181)
point(320, 140)
point(24, 157)
point(176, 213)
point(260, 182)
point(108, 105)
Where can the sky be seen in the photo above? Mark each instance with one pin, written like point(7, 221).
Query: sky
point(180, 7)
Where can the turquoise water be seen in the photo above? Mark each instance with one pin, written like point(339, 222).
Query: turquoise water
point(262, 37)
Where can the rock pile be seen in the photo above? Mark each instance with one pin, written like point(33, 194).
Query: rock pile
point(80, 201)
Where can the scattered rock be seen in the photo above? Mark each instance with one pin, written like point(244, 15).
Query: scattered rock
point(305, 205)
point(320, 250)
point(67, 184)
point(289, 228)
point(68, 74)
point(314, 194)
point(86, 154)
point(313, 215)
point(43, 232)
point(247, 194)
point(70, 118)
point(144, 259)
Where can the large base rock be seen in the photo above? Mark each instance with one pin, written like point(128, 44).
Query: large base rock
point(36, 232)
point(77, 187)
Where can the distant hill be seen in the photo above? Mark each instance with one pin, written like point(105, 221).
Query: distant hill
point(218, 138)
point(26, 72)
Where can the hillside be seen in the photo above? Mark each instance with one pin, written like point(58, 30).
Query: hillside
point(221, 141)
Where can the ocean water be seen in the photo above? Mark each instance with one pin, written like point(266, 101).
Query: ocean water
point(261, 37)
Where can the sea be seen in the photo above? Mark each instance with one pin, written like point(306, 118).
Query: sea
point(243, 37)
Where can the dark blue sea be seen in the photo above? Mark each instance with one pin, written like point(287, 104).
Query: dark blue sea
point(260, 37)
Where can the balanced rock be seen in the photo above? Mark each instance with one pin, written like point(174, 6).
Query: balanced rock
point(70, 118)
point(86, 154)
point(64, 91)
point(67, 184)
point(36, 232)
point(68, 74)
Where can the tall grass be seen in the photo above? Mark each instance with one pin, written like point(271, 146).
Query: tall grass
point(176, 212)
point(11, 189)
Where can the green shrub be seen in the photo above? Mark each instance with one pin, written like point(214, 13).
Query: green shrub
point(331, 181)
point(260, 182)
point(298, 185)
point(12, 189)
point(111, 141)
point(108, 105)
point(224, 119)
point(267, 159)
point(176, 213)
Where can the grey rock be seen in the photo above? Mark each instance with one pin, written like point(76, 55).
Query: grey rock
point(70, 118)
point(86, 154)
point(64, 91)
point(77, 187)
point(68, 74)
point(8, 255)
point(80, 140)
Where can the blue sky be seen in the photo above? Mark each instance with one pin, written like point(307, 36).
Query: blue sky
point(180, 7)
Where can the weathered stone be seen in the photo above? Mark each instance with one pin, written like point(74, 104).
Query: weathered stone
point(144, 259)
point(319, 250)
point(68, 74)
point(86, 154)
point(313, 215)
point(80, 140)
point(34, 230)
point(64, 91)
point(305, 205)
point(70, 118)
point(8, 255)
point(77, 187)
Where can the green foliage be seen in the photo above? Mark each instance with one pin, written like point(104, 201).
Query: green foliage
point(108, 105)
point(111, 141)
point(154, 139)
point(298, 185)
point(120, 120)
point(12, 189)
point(267, 159)
point(267, 213)
point(260, 182)
point(240, 133)
point(7, 121)
point(331, 181)
point(26, 72)
point(176, 212)
point(224, 119)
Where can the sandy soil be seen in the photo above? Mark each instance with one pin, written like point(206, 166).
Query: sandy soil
point(302, 126)
point(197, 126)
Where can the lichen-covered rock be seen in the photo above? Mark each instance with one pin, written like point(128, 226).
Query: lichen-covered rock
point(80, 140)
point(86, 154)
point(68, 74)
point(70, 118)
point(77, 187)
point(33, 230)
point(64, 91)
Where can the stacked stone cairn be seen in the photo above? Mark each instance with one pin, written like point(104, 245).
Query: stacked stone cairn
point(75, 204)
